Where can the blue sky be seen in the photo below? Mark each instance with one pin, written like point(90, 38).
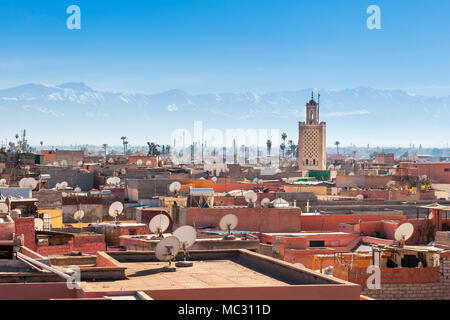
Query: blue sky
point(227, 45)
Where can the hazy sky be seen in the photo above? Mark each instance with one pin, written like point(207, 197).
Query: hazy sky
point(227, 45)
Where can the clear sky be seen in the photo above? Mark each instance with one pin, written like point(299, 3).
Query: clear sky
point(227, 45)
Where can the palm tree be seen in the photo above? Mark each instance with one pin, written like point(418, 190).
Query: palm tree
point(104, 147)
point(337, 143)
point(282, 147)
point(41, 143)
point(269, 146)
point(125, 147)
point(123, 142)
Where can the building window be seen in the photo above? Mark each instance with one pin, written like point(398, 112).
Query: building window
point(307, 162)
point(317, 243)
point(447, 169)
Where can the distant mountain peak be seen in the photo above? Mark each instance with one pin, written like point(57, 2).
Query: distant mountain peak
point(77, 86)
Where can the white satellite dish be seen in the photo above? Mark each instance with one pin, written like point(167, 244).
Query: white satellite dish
point(56, 163)
point(3, 208)
point(115, 209)
point(27, 168)
point(109, 181)
point(255, 180)
point(148, 163)
point(64, 194)
point(16, 211)
point(77, 189)
point(116, 180)
point(251, 198)
point(139, 162)
point(175, 187)
point(187, 236)
point(265, 202)
point(64, 185)
point(2, 182)
point(123, 171)
point(22, 182)
point(64, 163)
point(78, 215)
point(404, 232)
point(158, 224)
point(214, 179)
point(38, 224)
point(360, 197)
point(299, 265)
point(80, 163)
point(166, 250)
point(31, 183)
point(228, 223)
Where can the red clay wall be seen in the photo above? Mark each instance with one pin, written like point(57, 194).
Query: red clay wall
point(25, 226)
point(250, 219)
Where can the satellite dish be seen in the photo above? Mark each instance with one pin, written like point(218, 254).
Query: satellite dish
point(187, 236)
point(22, 182)
point(77, 189)
point(109, 181)
point(158, 224)
point(38, 224)
point(115, 209)
point(2, 182)
point(64, 194)
point(27, 168)
point(228, 223)
point(299, 265)
point(139, 162)
point(359, 197)
point(16, 211)
point(214, 179)
point(80, 163)
point(255, 180)
point(175, 187)
point(265, 202)
point(78, 215)
point(166, 250)
point(123, 171)
point(404, 232)
point(3, 208)
point(64, 185)
point(251, 198)
point(56, 163)
point(64, 163)
point(148, 163)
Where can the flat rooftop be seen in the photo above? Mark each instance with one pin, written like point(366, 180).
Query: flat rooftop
point(203, 274)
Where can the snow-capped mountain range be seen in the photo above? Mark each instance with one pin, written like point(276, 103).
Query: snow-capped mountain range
point(74, 112)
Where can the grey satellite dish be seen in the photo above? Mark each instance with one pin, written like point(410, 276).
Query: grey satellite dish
point(265, 202)
point(187, 236)
point(166, 250)
point(404, 232)
point(175, 187)
point(38, 224)
point(115, 210)
point(3, 208)
point(251, 198)
point(228, 223)
point(159, 224)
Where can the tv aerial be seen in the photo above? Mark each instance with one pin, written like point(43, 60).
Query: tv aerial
point(265, 202)
point(187, 236)
point(158, 224)
point(251, 198)
point(174, 187)
point(228, 223)
point(38, 224)
point(115, 210)
point(166, 250)
point(3, 208)
point(78, 216)
point(403, 233)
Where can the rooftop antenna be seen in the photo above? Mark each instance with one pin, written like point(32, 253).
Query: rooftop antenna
point(174, 187)
point(158, 224)
point(115, 210)
point(187, 236)
point(166, 250)
point(251, 198)
point(403, 233)
point(78, 216)
point(228, 223)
